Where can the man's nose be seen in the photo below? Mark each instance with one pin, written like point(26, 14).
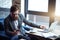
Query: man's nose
point(16, 15)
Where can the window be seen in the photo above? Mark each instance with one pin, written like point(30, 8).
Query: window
point(5, 3)
point(43, 8)
point(4, 8)
point(22, 7)
point(38, 5)
point(39, 20)
point(57, 10)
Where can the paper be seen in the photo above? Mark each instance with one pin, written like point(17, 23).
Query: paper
point(49, 34)
point(57, 32)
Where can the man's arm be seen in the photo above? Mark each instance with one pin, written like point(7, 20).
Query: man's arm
point(29, 23)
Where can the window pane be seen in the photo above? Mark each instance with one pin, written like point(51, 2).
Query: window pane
point(57, 10)
point(3, 14)
point(5, 3)
point(22, 7)
point(39, 20)
point(38, 5)
point(5, 8)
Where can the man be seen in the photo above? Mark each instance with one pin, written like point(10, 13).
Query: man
point(13, 23)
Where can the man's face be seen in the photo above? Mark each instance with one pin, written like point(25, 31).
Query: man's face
point(15, 15)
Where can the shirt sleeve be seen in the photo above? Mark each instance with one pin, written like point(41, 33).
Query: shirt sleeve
point(30, 23)
point(6, 25)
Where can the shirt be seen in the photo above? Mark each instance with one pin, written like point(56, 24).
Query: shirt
point(15, 24)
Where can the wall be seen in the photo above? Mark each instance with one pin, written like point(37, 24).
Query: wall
point(17, 2)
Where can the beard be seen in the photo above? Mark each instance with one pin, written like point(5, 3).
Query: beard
point(15, 18)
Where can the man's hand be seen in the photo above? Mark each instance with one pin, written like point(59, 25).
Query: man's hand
point(14, 32)
point(42, 27)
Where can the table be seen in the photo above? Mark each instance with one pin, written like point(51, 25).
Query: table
point(39, 33)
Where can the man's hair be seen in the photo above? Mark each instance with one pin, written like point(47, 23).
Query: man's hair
point(14, 8)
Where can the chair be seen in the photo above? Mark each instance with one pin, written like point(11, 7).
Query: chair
point(3, 36)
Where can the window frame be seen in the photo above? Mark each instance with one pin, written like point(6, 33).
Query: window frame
point(50, 13)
